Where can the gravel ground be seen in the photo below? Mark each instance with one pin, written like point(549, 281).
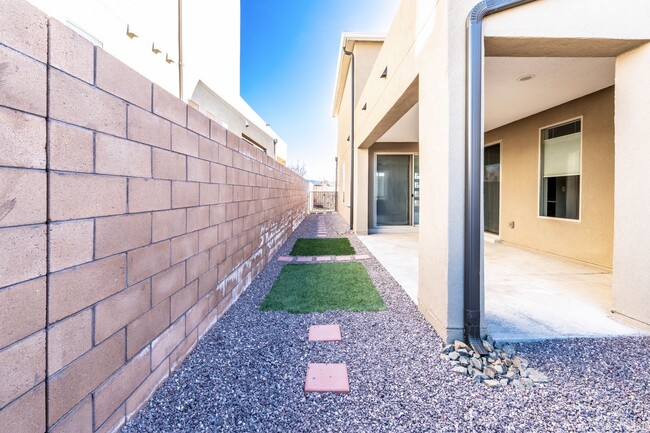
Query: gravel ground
point(247, 374)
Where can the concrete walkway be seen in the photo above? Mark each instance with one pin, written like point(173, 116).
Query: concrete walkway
point(398, 253)
point(529, 296)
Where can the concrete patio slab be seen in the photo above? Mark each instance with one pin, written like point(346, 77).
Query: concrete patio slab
point(327, 378)
point(533, 296)
point(324, 333)
point(528, 296)
point(398, 253)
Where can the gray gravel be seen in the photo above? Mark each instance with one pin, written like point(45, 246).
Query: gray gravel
point(247, 374)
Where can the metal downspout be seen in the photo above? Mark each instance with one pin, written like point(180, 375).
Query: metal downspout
point(474, 165)
point(350, 53)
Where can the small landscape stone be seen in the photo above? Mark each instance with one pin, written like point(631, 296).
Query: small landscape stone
point(459, 345)
point(459, 369)
point(491, 383)
point(527, 382)
point(537, 376)
point(509, 350)
point(454, 356)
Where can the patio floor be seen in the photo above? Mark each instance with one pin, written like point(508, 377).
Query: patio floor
point(248, 373)
point(529, 296)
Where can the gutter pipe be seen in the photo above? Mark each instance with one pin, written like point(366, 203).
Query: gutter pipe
point(474, 165)
point(351, 54)
point(180, 49)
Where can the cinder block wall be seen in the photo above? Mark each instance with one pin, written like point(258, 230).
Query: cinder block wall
point(129, 223)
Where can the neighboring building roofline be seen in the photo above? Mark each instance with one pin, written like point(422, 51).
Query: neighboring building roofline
point(347, 41)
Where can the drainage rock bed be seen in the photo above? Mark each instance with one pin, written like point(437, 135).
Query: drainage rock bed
point(248, 374)
point(500, 367)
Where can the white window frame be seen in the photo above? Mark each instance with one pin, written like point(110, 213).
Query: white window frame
point(540, 174)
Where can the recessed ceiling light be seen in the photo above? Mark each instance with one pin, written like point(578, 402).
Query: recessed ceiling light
point(527, 77)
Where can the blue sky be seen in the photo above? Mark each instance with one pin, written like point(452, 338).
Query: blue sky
point(289, 54)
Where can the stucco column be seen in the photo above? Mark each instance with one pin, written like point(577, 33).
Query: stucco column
point(361, 177)
point(631, 278)
point(442, 168)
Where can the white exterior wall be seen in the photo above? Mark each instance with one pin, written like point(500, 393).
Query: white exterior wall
point(210, 38)
point(211, 41)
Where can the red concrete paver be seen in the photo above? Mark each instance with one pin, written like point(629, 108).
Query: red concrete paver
point(327, 378)
point(325, 333)
point(285, 259)
point(362, 257)
point(305, 258)
point(343, 258)
point(323, 258)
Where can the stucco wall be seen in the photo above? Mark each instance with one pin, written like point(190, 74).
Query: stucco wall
point(588, 239)
point(129, 223)
point(365, 54)
point(631, 279)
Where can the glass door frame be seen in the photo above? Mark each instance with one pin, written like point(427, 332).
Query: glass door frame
point(411, 187)
point(486, 145)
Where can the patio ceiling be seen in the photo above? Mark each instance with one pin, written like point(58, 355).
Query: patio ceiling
point(406, 129)
point(556, 80)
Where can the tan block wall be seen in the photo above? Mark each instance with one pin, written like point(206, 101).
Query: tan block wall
point(129, 223)
point(591, 238)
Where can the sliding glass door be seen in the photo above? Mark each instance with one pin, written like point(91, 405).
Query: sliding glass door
point(393, 190)
point(491, 187)
point(397, 190)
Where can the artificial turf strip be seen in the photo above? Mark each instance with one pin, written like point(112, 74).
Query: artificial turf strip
point(323, 287)
point(322, 247)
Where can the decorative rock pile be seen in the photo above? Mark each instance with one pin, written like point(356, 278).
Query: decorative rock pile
point(500, 367)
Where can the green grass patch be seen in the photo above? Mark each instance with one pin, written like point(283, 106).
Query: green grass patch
point(323, 287)
point(323, 247)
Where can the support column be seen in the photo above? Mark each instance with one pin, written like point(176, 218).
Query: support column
point(631, 275)
point(361, 179)
point(442, 171)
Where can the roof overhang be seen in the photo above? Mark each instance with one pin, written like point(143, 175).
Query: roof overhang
point(347, 42)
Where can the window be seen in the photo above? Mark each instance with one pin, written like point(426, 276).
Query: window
point(560, 171)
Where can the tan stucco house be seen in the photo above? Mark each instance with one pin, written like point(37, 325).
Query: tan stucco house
point(563, 103)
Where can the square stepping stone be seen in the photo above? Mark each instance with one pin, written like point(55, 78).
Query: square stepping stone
point(323, 258)
point(327, 378)
point(324, 333)
point(305, 258)
point(285, 259)
point(362, 257)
